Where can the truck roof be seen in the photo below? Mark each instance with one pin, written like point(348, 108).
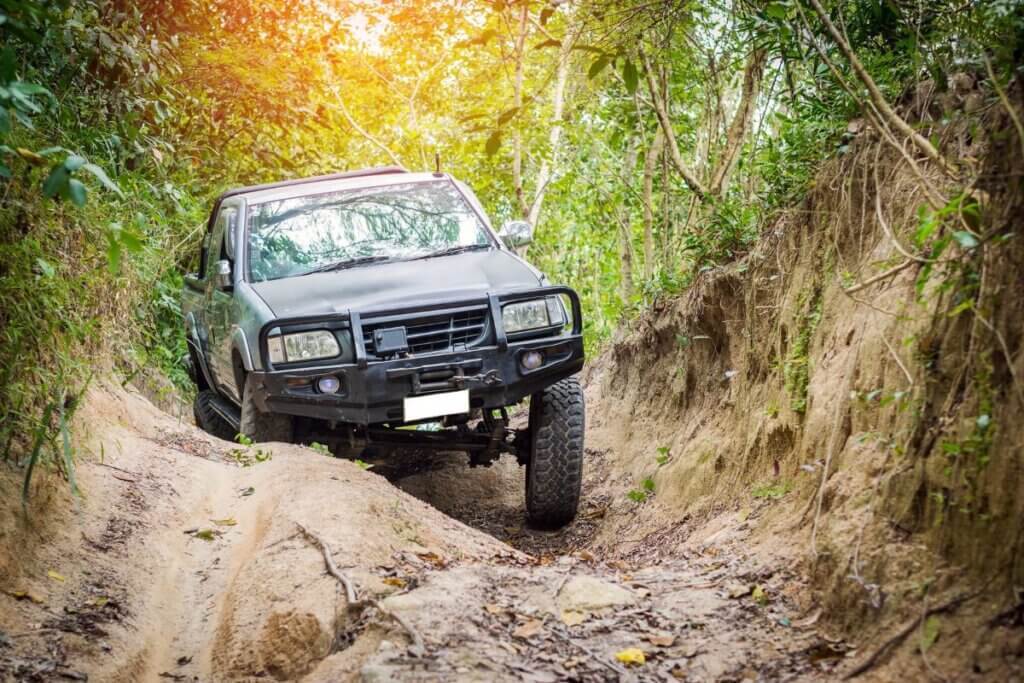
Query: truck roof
point(360, 173)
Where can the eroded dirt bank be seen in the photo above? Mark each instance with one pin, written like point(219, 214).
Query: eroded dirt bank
point(183, 560)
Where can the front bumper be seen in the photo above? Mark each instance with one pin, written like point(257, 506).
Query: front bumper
point(373, 391)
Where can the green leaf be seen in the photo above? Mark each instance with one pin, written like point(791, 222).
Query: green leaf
point(547, 43)
point(648, 485)
point(45, 267)
point(131, 240)
point(5, 120)
point(630, 76)
point(74, 162)
point(101, 175)
point(8, 64)
point(113, 255)
point(965, 239)
point(76, 192)
point(507, 116)
point(57, 182)
point(493, 143)
point(776, 10)
point(930, 632)
point(4, 171)
point(598, 66)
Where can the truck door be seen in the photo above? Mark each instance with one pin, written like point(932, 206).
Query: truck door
point(220, 305)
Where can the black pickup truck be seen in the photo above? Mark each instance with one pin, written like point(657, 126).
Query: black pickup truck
point(379, 309)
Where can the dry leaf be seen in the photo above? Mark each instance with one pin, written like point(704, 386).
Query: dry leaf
point(738, 591)
point(529, 629)
point(584, 555)
point(631, 655)
point(494, 609)
point(808, 621)
point(26, 595)
point(230, 521)
point(660, 641)
point(55, 576)
point(571, 617)
point(394, 581)
point(433, 558)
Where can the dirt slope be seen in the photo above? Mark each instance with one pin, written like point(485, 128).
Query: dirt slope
point(839, 407)
point(183, 561)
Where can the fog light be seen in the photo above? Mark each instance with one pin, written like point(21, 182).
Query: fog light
point(328, 385)
point(532, 360)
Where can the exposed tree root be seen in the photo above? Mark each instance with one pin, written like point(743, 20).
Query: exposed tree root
point(355, 606)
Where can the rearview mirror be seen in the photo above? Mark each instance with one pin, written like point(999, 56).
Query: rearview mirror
point(516, 234)
point(222, 273)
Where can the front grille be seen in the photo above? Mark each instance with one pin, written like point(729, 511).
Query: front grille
point(432, 333)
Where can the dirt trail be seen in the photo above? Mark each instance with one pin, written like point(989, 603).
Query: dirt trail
point(184, 561)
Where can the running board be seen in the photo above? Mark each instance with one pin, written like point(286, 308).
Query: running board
point(231, 414)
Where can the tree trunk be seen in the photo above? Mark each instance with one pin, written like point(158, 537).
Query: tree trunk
point(752, 75)
point(625, 233)
point(653, 155)
point(548, 166)
point(517, 138)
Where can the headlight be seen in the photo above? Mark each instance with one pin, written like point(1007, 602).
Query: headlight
point(531, 315)
point(301, 346)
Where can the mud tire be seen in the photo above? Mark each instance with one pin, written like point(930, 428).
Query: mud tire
point(260, 426)
point(208, 419)
point(554, 472)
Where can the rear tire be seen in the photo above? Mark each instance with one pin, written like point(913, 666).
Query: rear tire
point(554, 472)
point(208, 419)
point(262, 426)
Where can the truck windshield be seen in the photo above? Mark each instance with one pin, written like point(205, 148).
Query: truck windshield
point(300, 235)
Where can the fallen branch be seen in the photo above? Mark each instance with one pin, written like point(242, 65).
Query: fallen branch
point(355, 605)
point(907, 629)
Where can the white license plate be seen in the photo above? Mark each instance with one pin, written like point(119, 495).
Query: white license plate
point(436, 405)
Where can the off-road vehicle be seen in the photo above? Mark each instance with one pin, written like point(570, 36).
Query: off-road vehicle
point(378, 309)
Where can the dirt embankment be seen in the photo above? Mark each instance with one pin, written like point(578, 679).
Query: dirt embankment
point(846, 400)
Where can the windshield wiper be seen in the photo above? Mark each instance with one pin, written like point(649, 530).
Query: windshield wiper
point(348, 263)
point(454, 250)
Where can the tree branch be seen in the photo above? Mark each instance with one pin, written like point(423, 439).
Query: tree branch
point(359, 129)
point(660, 108)
point(881, 104)
point(752, 74)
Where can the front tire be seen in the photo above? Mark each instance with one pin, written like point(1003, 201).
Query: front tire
point(554, 472)
point(260, 426)
point(208, 419)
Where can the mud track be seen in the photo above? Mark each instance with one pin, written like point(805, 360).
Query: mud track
point(184, 561)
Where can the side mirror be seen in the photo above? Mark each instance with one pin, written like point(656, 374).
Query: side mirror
point(222, 273)
point(516, 234)
point(229, 235)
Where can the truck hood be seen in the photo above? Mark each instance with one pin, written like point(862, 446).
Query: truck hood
point(459, 276)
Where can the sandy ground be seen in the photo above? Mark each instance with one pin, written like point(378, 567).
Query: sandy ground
point(184, 560)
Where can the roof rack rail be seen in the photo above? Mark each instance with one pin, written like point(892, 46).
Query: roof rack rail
point(377, 170)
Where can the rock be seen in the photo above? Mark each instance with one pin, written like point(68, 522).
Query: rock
point(588, 593)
